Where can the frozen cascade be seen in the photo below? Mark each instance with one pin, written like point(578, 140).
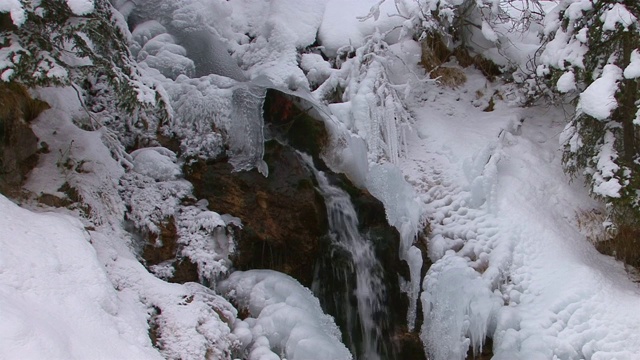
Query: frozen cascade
point(246, 131)
point(357, 303)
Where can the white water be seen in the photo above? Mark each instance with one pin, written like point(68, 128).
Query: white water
point(364, 320)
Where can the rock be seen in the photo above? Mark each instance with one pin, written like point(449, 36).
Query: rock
point(163, 248)
point(18, 144)
point(283, 215)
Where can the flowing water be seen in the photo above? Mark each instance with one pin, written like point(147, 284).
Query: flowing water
point(349, 279)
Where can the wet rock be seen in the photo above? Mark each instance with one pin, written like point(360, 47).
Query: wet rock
point(283, 215)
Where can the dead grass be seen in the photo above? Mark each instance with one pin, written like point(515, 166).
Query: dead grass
point(624, 246)
point(449, 76)
point(434, 52)
point(17, 103)
point(590, 223)
point(623, 243)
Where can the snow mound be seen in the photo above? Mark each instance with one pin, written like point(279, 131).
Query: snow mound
point(56, 301)
point(285, 318)
point(157, 163)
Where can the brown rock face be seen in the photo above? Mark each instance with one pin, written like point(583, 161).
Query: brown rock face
point(283, 216)
point(18, 144)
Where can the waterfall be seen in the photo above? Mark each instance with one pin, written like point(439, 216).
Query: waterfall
point(349, 280)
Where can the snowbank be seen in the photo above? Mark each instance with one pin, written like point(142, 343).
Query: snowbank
point(56, 301)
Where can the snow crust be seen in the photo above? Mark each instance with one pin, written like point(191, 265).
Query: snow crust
point(285, 317)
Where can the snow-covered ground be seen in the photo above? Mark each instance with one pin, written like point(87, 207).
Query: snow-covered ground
point(510, 258)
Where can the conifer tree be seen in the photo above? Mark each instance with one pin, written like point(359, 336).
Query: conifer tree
point(593, 48)
point(79, 43)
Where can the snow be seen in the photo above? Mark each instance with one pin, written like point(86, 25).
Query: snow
point(81, 7)
point(567, 82)
point(488, 32)
point(15, 9)
point(598, 100)
point(632, 71)
point(284, 316)
point(302, 18)
point(605, 182)
point(157, 163)
point(617, 14)
point(146, 31)
point(341, 26)
point(510, 261)
point(316, 68)
point(56, 301)
point(189, 321)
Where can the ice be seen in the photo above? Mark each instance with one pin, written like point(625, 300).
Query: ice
point(404, 212)
point(284, 317)
point(598, 100)
point(376, 111)
point(459, 309)
point(246, 132)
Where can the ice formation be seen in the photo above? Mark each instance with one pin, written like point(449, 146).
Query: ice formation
point(285, 319)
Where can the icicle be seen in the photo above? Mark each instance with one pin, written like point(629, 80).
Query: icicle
point(246, 130)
